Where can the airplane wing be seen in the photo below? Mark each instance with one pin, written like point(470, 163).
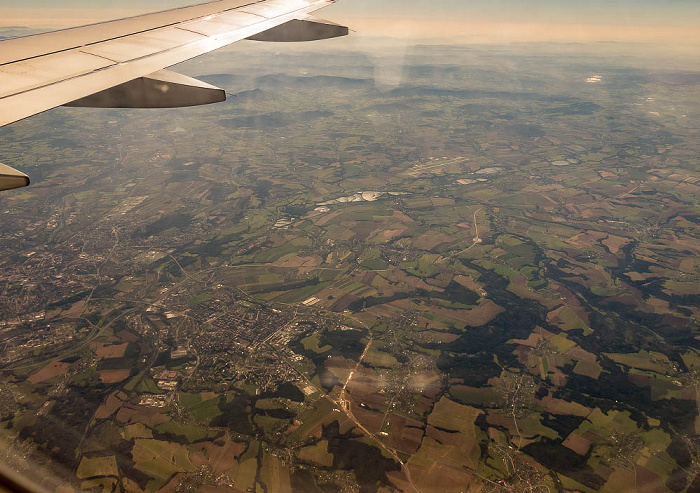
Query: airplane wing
point(119, 64)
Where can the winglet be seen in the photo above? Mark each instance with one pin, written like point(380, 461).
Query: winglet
point(11, 178)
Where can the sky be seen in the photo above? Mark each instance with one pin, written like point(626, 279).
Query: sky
point(498, 21)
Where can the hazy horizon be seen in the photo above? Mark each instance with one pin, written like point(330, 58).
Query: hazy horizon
point(674, 23)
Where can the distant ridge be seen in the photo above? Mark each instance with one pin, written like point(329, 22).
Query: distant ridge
point(282, 80)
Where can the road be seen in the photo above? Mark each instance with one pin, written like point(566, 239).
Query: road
point(477, 240)
point(345, 404)
point(625, 194)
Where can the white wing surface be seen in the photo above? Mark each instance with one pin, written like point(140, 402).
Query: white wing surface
point(120, 63)
point(41, 72)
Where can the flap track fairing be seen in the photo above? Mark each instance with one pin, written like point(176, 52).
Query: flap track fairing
point(11, 178)
point(162, 89)
point(301, 30)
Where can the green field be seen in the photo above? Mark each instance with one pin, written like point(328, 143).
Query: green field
point(191, 432)
point(98, 466)
point(160, 459)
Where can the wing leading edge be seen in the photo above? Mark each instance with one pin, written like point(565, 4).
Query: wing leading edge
point(120, 63)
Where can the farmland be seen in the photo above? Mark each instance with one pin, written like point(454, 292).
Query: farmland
point(325, 286)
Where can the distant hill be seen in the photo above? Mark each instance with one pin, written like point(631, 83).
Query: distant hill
point(8, 32)
point(323, 81)
point(254, 95)
point(222, 80)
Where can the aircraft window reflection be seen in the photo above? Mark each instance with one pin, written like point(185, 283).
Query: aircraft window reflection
point(454, 250)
